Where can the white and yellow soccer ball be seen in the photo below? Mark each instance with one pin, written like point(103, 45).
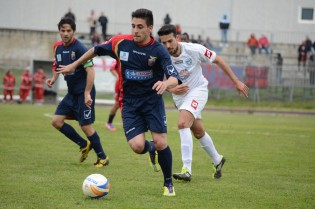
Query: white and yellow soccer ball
point(95, 186)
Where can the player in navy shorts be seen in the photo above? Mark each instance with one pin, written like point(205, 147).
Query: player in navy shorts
point(144, 63)
point(78, 104)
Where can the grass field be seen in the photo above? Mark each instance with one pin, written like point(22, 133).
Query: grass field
point(270, 164)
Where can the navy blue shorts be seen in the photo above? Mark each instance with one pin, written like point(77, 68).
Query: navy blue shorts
point(142, 114)
point(73, 106)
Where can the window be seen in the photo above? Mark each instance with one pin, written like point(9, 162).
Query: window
point(306, 15)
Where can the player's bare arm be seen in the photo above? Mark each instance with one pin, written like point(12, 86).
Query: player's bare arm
point(83, 59)
point(89, 85)
point(179, 89)
point(51, 81)
point(161, 86)
point(241, 88)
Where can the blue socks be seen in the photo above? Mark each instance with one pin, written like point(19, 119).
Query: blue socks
point(96, 145)
point(165, 161)
point(148, 147)
point(71, 133)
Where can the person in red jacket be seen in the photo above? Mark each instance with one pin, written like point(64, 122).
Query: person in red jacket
point(8, 86)
point(39, 90)
point(252, 43)
point(26, 85)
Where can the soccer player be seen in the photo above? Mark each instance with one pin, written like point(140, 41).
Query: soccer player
point(191, 96)
point(78, 103)
point(143, 63)
point(26, 85)
point(114, 69)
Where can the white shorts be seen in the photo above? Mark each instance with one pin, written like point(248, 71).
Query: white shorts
point(194, 101)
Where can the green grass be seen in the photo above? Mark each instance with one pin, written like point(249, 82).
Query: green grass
point(270, 164)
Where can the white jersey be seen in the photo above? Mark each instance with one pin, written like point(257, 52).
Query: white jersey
point(188, 66)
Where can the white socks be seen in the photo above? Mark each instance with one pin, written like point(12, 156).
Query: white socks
point(186, 147)
point(207, 144)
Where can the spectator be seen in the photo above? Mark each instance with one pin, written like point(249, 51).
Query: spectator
point(95, 39)
point(39, 89)
point(308, 45)
point(8, 86)
point(224, 27)
point(252, 43)
point(167, 19)
point(92, 23)
point(103, 20)
point(302, 53)
point(279, 69)
point(311, 69)
point(192, 39)
point(26, 85)
point(184, 37)
point(178, 29)
point(208, 43)
point(199, 40)
point(70, 14)
point(263, 44)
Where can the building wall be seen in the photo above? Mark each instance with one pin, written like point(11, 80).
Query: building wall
point(276, 18)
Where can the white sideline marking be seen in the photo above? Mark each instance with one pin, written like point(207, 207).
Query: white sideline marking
point(48, 115)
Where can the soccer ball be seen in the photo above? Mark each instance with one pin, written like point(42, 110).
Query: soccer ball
point(95, 186)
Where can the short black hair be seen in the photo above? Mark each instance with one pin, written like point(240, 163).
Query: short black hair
point(167, 29)
point(67, 20)
point(145, 14)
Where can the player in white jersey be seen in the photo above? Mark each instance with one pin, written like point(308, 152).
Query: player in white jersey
point(191, 97)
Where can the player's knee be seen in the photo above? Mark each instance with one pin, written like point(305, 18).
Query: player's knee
point(136, 147)
point(198, 134)
point(160, 144)
point(57, 123)
point(182, 124)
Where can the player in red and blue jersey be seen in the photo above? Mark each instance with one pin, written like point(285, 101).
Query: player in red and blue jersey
point(78, 103)
point(144, 63)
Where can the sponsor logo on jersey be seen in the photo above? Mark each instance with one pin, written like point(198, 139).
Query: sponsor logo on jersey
point(178, 62)
point(151, 61)
point(72, 55)
point(208, 53)
point(87, 114)
point(188, 61)
point(194, 104)
point(123, 55)
point(138, 75)
point(184, 74)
